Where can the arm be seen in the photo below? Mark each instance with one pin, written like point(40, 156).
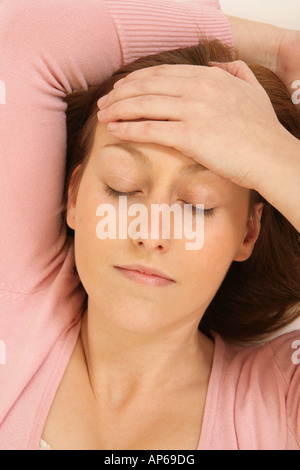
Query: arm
point(271, 46)
point(256, 42)
point(280, 184)
point(50, 49)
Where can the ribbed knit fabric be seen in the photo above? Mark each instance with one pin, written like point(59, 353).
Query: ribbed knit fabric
point(145, 25)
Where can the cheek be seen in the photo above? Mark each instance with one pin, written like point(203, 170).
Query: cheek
point(89, 250)
point(85, 221)
point(207, 267)
point(225, 237)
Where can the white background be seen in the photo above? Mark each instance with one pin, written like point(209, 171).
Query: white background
point(284, 13)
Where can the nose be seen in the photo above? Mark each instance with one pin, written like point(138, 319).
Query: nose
point(152, 245)
point(153, 234)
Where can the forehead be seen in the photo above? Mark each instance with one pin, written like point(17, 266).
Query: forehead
point(167, 164)
point(146, 154)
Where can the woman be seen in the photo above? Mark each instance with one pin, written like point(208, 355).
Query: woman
point(84, 376)
point(148, 334)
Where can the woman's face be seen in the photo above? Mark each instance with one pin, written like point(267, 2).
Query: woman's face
point(155, 175)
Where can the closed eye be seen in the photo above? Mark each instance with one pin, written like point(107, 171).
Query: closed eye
point(114, 193)
point(196, 210)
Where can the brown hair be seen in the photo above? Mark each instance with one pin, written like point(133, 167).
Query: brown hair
point(262, 294)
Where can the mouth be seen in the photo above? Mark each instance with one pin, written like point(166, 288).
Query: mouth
point(145, 275)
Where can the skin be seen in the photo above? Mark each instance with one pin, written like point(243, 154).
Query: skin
point(268, 45)
point(224, 235)
point(139, 344)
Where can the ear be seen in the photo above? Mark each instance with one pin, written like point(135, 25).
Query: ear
point(72, 196)
point(252, 232)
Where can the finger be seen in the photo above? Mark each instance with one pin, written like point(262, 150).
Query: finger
point(147, 86)
point(165, 70)
point(238, 69)
point(145, 107)
point(163, 133)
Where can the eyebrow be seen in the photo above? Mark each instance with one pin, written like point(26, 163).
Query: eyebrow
point(138, 155)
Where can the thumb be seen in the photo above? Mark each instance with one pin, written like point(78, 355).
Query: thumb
point(238, 69)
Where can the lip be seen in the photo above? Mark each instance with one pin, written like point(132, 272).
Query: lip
point(145, 275)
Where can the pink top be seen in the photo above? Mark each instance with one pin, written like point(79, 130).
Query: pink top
point(48, 50)
point(253, 399)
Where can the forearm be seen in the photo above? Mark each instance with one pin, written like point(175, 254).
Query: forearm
point(256, 42)
point(279, 181)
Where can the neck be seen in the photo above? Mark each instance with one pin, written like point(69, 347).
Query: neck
point(121, 364)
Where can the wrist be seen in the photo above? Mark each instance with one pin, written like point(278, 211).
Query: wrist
point(256, 43)
point(288, 53)
point(278, 177)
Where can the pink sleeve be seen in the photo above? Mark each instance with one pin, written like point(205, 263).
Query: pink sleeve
point(49, 48)
point(286, 350)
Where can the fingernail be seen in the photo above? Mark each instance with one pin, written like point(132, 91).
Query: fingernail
point(119, 82)
point(101, 114)
point(102, 101)
point(112, 126)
